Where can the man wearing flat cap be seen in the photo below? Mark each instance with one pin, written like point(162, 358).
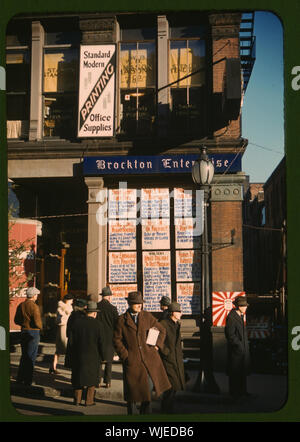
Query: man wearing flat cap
point(85, 348)
point(172, 356)
point(237, 348)
point(143, 369)
point(28, 316)
point(107, 316)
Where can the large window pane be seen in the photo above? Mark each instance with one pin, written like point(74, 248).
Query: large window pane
point(60, 117)
point(137, 65)
point(17, 70)
point(60, 70)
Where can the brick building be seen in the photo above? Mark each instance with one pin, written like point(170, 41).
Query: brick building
point(95, 100)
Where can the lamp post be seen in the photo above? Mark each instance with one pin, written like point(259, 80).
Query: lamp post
point(202, 174)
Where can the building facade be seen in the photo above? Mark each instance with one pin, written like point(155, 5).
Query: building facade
point(106, 114)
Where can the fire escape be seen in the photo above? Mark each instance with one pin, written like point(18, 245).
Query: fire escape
point(247, 47)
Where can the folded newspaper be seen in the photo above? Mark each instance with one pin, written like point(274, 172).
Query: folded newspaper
point(152, 336)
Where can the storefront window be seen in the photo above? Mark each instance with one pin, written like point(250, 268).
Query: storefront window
point(187, 81)
point(60, 97)
point(17, 86)
point(137, 84)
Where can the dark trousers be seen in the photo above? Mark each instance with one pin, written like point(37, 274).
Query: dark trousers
point(145, 407)
point(167, 402)
point(238, 381)
point(106, 373)
point(30, 340)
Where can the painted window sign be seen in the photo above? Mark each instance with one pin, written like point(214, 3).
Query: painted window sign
point(96, 108)
point(184, 237)
point(120, 293)
point(123, 165)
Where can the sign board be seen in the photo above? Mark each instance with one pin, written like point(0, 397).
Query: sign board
point(188, 296)
point(96, 107)
point(222, 303)
point(157, 278)
point(125, 165)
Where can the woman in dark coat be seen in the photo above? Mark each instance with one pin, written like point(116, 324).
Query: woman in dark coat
point(238, 349)
point(142, 365)
point(85, 354)
point(172, 356)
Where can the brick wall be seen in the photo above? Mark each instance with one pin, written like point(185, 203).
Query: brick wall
point(227, 262)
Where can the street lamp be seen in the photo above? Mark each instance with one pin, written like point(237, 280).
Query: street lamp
point(202, 174)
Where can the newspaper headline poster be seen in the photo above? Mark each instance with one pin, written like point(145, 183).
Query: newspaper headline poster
point(122, 203)
point(157, 278)
point(122, 267)
point(155, 234)
point(120, 293)
point(96, 107)
point(122, 235)
point(188, 296)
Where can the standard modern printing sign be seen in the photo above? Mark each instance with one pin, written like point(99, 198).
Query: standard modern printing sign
point(96, 91)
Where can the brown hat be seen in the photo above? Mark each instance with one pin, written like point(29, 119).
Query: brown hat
point(135, 298)
point(241, 301)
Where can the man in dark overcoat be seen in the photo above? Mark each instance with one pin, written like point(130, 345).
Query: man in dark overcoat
point(172, 356)
point(164, 303)
point(108, 317)
point(85, 354)
point(143, 369)
point(237, 348)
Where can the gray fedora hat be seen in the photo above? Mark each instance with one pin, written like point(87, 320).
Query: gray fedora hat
point(32, 291)
point(92, 307)
point(174, 307)
point(106, 291)
point(135, 298)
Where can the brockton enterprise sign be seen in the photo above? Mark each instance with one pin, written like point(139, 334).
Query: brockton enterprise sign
point(120, 165)
point(96, 91)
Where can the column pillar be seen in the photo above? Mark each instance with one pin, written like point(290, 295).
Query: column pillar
point(226, 216)
point(35, 124)
point(162, 75)
point(97, 236)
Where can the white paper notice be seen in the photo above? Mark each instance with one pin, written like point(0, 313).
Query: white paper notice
point(152, 336)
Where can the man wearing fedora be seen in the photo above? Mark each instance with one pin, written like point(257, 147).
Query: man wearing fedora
point(28, 316)
point(164, 303)
point(107, 316)
point(238, 348)
point(143, 369)
point(85, 347)
point(172, 356)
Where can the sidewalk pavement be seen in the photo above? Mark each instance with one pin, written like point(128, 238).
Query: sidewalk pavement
point(269, 391)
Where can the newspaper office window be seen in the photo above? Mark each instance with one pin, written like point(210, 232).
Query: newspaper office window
point(187, 81)
point(59, 92)
point(137, 87)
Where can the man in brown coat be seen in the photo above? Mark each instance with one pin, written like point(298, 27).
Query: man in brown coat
point(28, 316)
point(143, 369)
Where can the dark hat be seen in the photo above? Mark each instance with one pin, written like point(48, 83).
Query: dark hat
point(80, 302)
point(135, 298)
point(174, 307)
point(68, 296)
point(106, 291)
point(241, 301)
point(92, 307)
point(165, 300)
